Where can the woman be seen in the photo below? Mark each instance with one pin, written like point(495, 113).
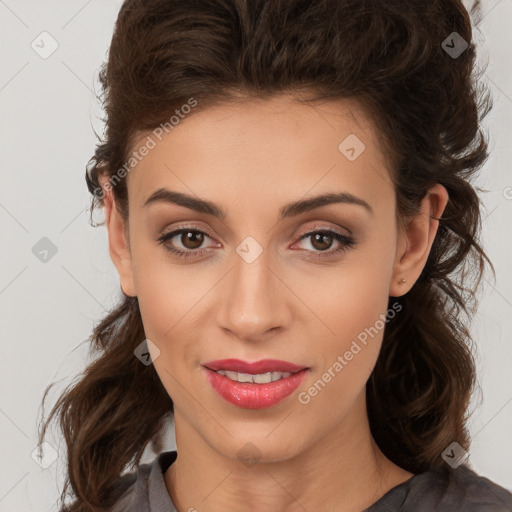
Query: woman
point(286, 187)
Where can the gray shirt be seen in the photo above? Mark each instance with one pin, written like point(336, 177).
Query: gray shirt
point(443, 490)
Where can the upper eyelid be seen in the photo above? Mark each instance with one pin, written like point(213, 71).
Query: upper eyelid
point(182, 228)
point(316, 228)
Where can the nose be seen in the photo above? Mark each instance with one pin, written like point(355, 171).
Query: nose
point(255, 300)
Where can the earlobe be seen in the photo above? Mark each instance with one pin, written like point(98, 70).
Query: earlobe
point(416, 239)
point(118, 241)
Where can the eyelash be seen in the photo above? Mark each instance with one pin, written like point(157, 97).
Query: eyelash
point(346, 242)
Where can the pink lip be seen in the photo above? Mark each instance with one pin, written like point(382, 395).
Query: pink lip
point(262, 366)
point(250, 395)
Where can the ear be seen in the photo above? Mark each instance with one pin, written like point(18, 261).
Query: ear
point(415, 241)
point(118, 239)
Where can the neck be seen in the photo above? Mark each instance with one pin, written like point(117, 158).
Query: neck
point(344, 470)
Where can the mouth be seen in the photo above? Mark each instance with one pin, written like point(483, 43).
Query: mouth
point(258, 378)
point(254, 385)
point(256, 368)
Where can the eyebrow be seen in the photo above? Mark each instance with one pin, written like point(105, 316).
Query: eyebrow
point(165, 195)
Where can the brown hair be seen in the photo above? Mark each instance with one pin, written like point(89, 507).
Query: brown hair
point(427, 107)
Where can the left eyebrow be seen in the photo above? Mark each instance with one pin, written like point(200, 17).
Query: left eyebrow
point(166, 195)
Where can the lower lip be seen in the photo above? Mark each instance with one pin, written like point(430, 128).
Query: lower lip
point(254, 396)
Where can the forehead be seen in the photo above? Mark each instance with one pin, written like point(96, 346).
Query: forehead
point(267, 148)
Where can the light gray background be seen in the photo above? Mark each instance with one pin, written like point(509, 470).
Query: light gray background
point(48, 113)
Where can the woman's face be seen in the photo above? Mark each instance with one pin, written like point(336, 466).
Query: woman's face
point(251, 288)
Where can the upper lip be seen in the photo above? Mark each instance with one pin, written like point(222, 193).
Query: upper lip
point(256, 367)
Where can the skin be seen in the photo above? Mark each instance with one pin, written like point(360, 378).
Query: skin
point(252, 158)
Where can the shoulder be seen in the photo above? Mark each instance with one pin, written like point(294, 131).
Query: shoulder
point(477, 493)
point(136, 491)
point(452, 490)
point(129, 489)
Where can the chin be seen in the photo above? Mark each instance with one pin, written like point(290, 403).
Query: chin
point(260, 448)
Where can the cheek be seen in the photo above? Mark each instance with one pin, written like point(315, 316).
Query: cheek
point(173, 303)
point(164, 297)
point(166, 307)
point(345, 359)
point(163, 291)
point(352, 303)
point(350, 297)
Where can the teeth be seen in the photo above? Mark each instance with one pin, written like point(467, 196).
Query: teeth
point(263, 378)
point(231, 375)
point(260, 378)
point(244, 377)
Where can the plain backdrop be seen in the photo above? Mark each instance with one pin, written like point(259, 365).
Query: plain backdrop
point(48, 308)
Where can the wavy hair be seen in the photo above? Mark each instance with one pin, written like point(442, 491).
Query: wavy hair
point(427, 106)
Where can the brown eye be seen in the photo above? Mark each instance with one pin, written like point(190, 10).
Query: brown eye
point(189, 239)
point(192, 239)
point(322, 241)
